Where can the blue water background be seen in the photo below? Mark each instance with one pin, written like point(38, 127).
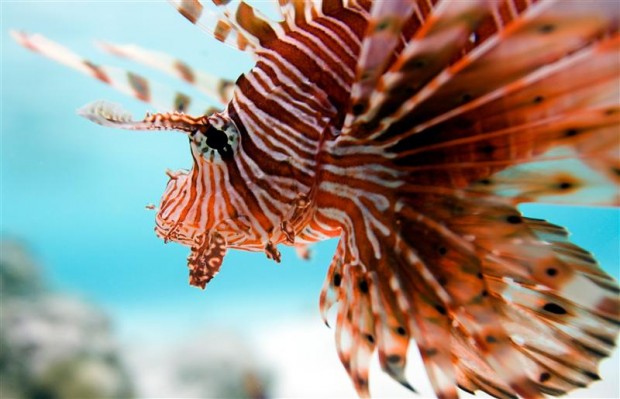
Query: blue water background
point(75, 192)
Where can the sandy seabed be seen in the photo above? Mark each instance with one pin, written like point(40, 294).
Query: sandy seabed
point(299, 357)
point(304, 358)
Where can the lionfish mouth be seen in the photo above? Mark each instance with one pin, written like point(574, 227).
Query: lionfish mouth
point(167, 224)
point(176, 232)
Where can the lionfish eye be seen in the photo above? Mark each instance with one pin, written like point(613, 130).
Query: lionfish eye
point(212, 140)
point(216, 139)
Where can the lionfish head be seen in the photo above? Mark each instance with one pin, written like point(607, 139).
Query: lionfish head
point(206, 207)
point(184, 216)
point(196, 206)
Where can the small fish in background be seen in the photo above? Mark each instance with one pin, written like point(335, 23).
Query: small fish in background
point(410, 130)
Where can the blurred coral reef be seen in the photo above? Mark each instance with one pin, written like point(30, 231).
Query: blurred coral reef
point(209, 364)
point(58, 346)
point(52, 345)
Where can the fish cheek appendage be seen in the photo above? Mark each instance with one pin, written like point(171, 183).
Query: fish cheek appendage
point(411, 131)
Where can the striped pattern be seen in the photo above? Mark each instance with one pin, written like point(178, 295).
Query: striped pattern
point(411, 130)
point(216, 88)
point(127, 82)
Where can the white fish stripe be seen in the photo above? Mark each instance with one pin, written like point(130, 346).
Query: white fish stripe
point(273, 88)
point(297, 85)
point(322, 64)
point(286, 153)
point(283, 132)
point(330, 54)
point(350, 52)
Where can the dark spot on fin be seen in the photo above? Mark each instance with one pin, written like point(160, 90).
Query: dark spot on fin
point(546, 28)
point(461, 387)
point(571, 132)
point(407, 385)
point(440, 309)
point(181, 102)
point(363, 286)
point(337, 279)
point(394, 359)
point(544, 377)
point(565, 185)
point(514, 219)
point(554, 308)
point(358, 109)
point(552, 271)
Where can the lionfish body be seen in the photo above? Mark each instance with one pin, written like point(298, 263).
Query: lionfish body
point(410, 130)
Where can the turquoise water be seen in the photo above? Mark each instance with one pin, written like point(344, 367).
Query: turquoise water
point(75, 192)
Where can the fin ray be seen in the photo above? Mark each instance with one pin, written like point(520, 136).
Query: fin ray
point(126, 82)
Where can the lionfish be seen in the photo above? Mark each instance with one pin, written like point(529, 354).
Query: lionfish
point(410, 130)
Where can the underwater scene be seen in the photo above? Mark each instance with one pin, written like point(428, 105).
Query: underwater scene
point(95, 305)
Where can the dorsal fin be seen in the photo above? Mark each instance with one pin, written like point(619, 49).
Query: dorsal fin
point(390, 23)
point(401, 102)
point(299, 12)
point(565, 114)
point(236, 24)
point(295, 12)
point(386, 22)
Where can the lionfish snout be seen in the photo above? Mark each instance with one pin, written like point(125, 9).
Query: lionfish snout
point(170, 225)
point(182, 219)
